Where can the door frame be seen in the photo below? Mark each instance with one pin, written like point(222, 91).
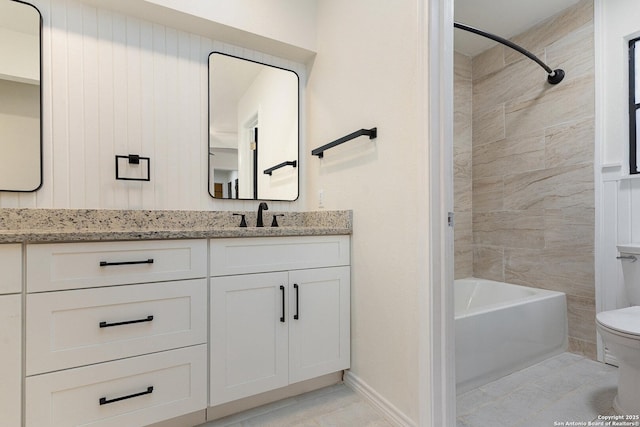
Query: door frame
point(437, 341)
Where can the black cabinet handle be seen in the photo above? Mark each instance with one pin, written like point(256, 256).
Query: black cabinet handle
point(282, 290)
point(105, 401)
point(128, 322)
point(297, 288)
point(106, 264)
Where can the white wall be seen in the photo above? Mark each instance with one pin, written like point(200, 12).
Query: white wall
point(20, 55)
point(20, 129)
point(289, 21)
point(273, 96)
point(365, 75)
point(19, 43)
point(619, 24)
point(617, 194)
point(114, 84)
point(285, 28)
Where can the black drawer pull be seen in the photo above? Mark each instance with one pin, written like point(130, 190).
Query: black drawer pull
point(282, 290)
point(106, 264)
point(128, 322)
point(104, 401)
point(297, 288)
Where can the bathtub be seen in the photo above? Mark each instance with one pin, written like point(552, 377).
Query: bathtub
point(502, 328)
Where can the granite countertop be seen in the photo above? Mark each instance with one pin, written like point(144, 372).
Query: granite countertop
point(74, 225)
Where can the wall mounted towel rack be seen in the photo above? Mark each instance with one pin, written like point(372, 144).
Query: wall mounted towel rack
point(371, 133)
point(269, 171)
point(133, 159)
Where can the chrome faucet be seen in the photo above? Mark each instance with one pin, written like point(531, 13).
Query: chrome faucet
point(262, 206)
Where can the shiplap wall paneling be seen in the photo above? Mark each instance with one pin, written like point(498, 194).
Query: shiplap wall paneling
point(113, 84)
point(610, 268)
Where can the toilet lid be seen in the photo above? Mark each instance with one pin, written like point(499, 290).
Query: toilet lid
point(626, 320)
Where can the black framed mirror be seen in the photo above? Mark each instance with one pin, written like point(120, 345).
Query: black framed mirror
point(20, 96)
point(253, 130)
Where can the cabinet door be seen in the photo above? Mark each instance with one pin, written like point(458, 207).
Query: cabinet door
point(10, 360)
point(11, 268)
point(319, 328)
point(249, 353)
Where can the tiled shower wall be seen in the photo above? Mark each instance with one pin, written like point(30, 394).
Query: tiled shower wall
point(532, 167)
point(462, 178)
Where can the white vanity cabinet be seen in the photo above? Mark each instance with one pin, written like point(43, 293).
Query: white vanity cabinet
point(279, 313)
point(10, 334)
point(115, 332)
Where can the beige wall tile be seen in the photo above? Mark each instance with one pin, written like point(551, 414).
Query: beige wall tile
point(561, 187)
point(570, 143)
point(567, 101)
point(462, 133)
point(462, 146)
point(488, 126)
point(554, 269)
point(462, 66)
point(488, 262)
point(553, 29)
point(488, 194)
point(462, 197)
point(585, 348)
point(463, 262)
point(462, 91)
point(581, 313)
point(514, 81)
point(573, 53)
point(463, 245)
point(509, 229)
point(501, 157)
point(569, 228)
point(487, 62)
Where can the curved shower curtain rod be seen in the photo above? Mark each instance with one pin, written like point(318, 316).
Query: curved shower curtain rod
point(554, 77)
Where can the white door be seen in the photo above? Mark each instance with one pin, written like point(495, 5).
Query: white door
point(319, 328)
point(249, 352)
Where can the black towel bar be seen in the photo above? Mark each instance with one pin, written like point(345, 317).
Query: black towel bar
point(269, 171)
point(371, 133)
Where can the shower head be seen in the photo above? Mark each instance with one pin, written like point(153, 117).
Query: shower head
point(555, 77)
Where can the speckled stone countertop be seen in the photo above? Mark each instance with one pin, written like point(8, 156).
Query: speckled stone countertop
point(73, 225)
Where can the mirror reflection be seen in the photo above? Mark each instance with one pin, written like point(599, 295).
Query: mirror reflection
point(253, 130)
point(20, 135)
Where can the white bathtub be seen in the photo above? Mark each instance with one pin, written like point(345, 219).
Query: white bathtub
point(502, 328)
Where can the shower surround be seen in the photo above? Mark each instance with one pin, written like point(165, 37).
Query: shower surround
point(524, 189)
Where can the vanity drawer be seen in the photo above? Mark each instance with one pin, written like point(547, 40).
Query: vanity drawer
point(265, 254)
point(151, 388)
point(60, 266)
point(11, 268)
point(74, 328)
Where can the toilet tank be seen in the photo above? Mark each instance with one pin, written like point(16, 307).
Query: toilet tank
point(631, 271)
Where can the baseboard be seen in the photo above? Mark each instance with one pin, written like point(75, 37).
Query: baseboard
point(390, 412)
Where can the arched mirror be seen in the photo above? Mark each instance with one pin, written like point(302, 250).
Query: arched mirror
point(20, 97)
point(253, 130)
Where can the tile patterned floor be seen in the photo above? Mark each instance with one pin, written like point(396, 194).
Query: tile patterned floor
point(336, 405)
point(564, 388)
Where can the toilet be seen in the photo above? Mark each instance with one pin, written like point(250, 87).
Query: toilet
point(620, 331)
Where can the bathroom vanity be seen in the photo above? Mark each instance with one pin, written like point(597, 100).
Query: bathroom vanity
point(132, 331)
